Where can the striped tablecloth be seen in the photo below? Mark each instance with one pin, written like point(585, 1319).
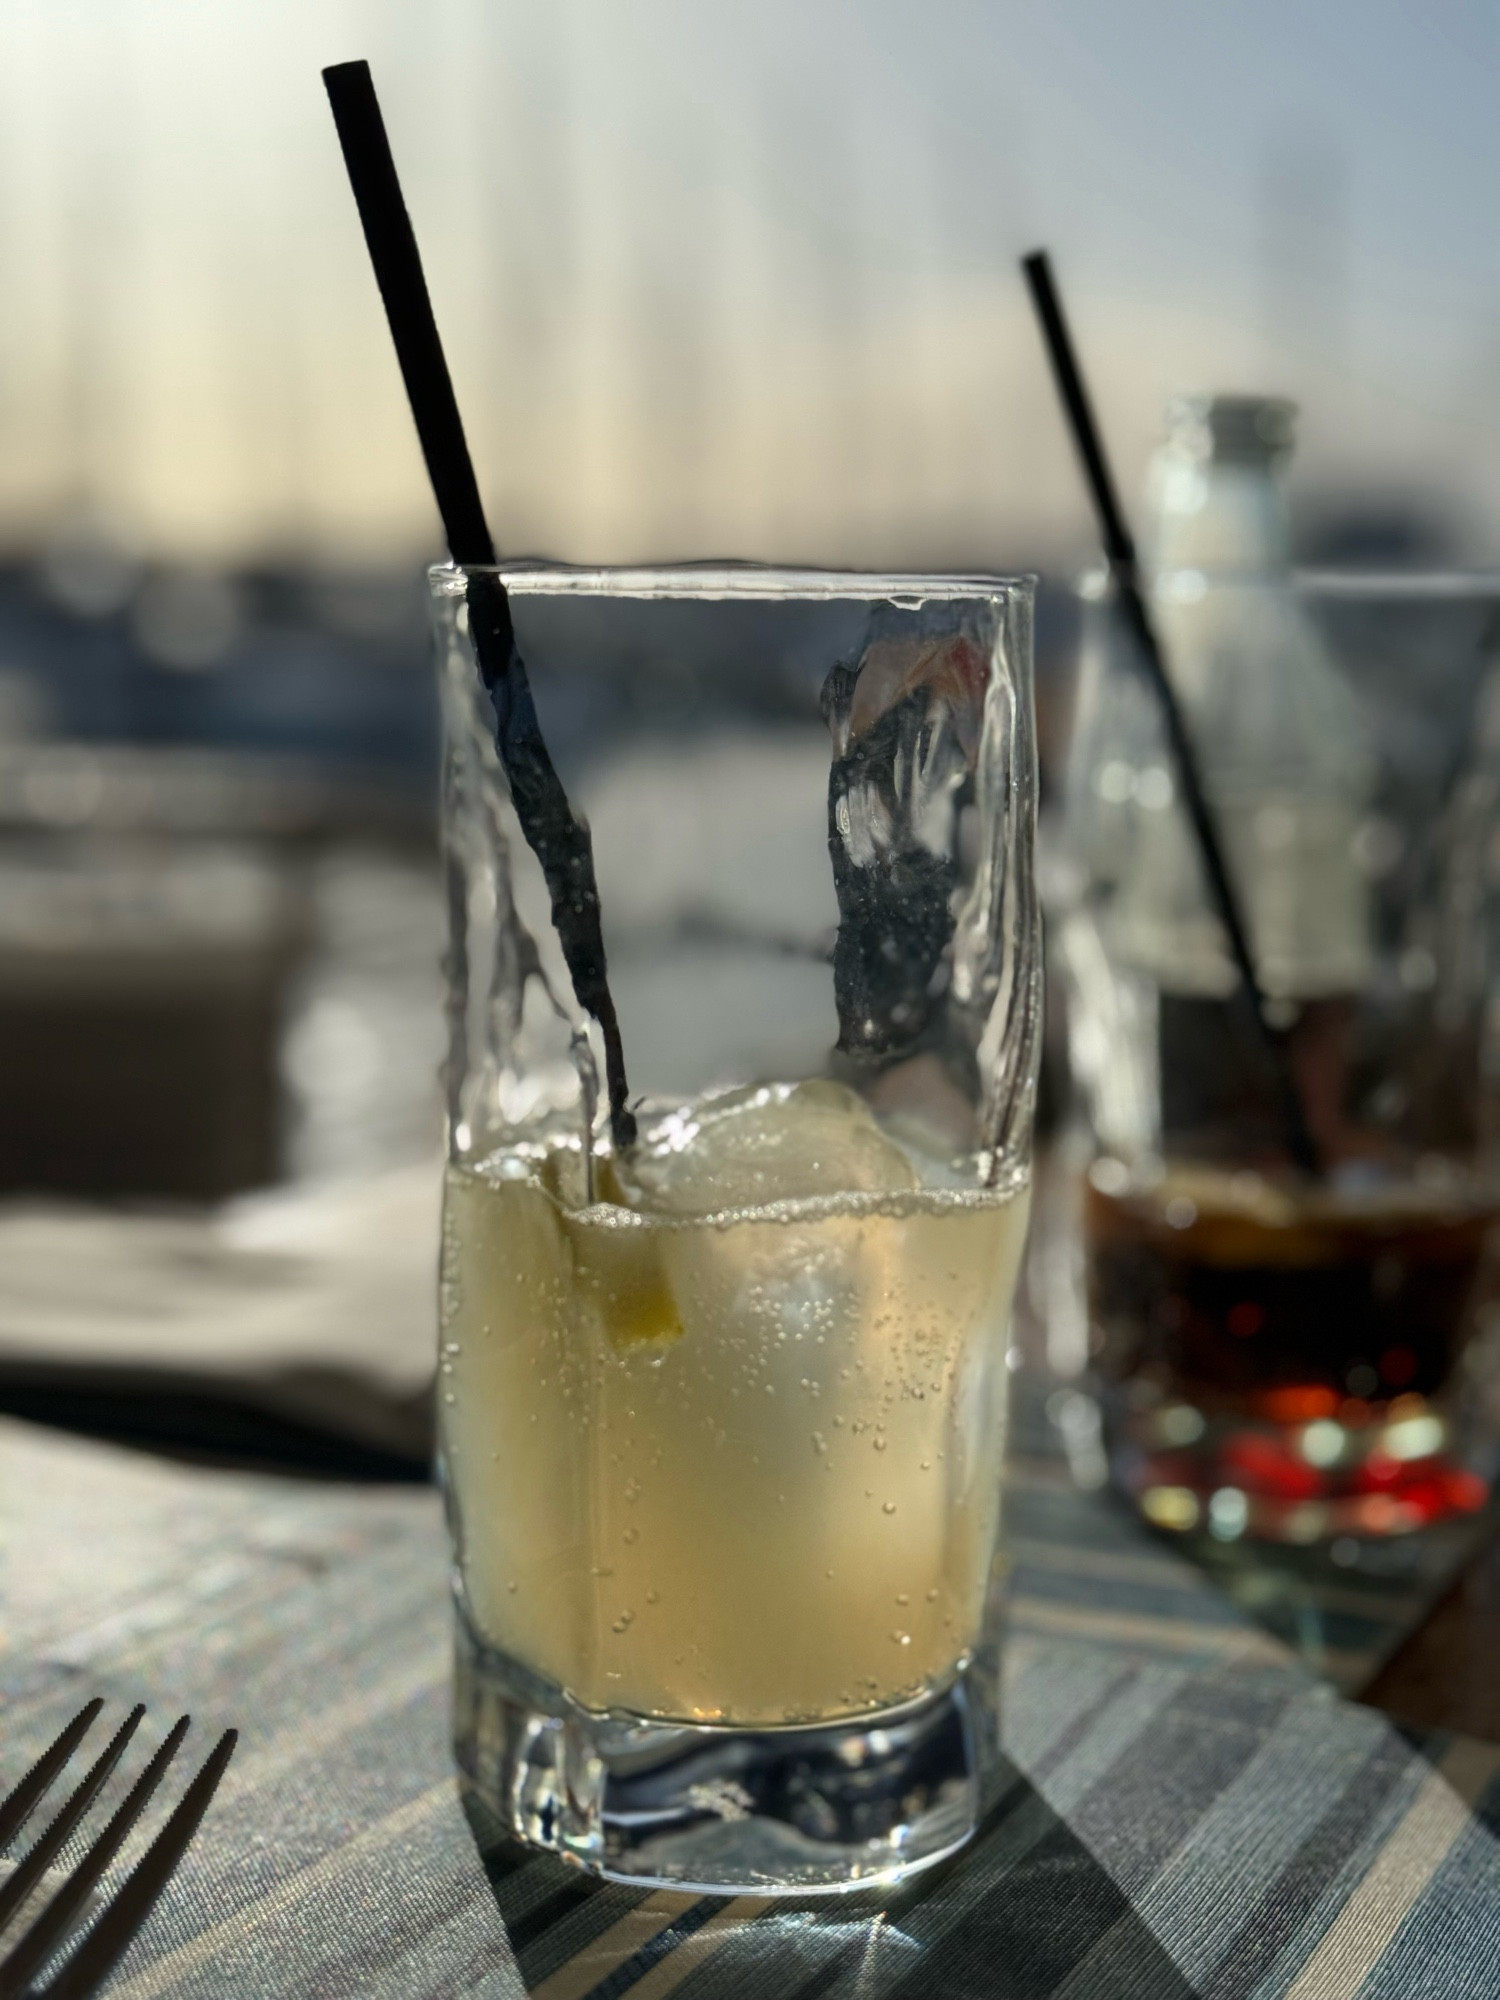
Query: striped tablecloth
point(1189, 1812)
point(1341, 1619)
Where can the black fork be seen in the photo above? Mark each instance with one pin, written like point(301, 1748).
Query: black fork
point(92, 1961)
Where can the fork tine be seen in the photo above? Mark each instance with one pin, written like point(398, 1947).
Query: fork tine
point(105, 1944)
point(45, 1849)
point(19, 1805)
point(36, 1946)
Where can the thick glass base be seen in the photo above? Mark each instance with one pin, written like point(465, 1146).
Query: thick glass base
point(852, 1804)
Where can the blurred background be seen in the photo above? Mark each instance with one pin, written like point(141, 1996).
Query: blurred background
point(715, 280)
point(679, 250)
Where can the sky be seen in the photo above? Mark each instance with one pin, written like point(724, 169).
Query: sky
point(728, 278)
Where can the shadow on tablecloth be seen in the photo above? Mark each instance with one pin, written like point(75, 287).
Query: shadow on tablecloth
point(1025, 1912)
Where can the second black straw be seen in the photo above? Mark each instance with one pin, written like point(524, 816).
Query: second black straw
point(1119, 548)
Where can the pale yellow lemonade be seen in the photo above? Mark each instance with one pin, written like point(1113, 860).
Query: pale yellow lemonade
point(724, 1442)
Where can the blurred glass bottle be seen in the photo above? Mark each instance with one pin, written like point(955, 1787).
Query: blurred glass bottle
point(1169, 1052)
point(1275, 1349)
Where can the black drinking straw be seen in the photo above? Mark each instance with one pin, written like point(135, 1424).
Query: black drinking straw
point(1119, 548)
point(555, 834)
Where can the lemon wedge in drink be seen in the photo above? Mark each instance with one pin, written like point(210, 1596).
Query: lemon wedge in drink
point(620, 1273)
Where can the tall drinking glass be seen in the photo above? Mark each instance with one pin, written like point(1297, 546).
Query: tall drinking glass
point(723, 1408)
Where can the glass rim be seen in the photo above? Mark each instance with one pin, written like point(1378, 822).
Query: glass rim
point(1384, 582)
point(743, 582)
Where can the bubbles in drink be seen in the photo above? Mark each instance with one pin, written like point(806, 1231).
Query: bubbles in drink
point(619, 1340)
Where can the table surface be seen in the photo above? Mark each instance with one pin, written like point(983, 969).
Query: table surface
point(1189, 1813)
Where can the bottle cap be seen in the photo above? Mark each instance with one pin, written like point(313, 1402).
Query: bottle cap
point(1252, 430)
